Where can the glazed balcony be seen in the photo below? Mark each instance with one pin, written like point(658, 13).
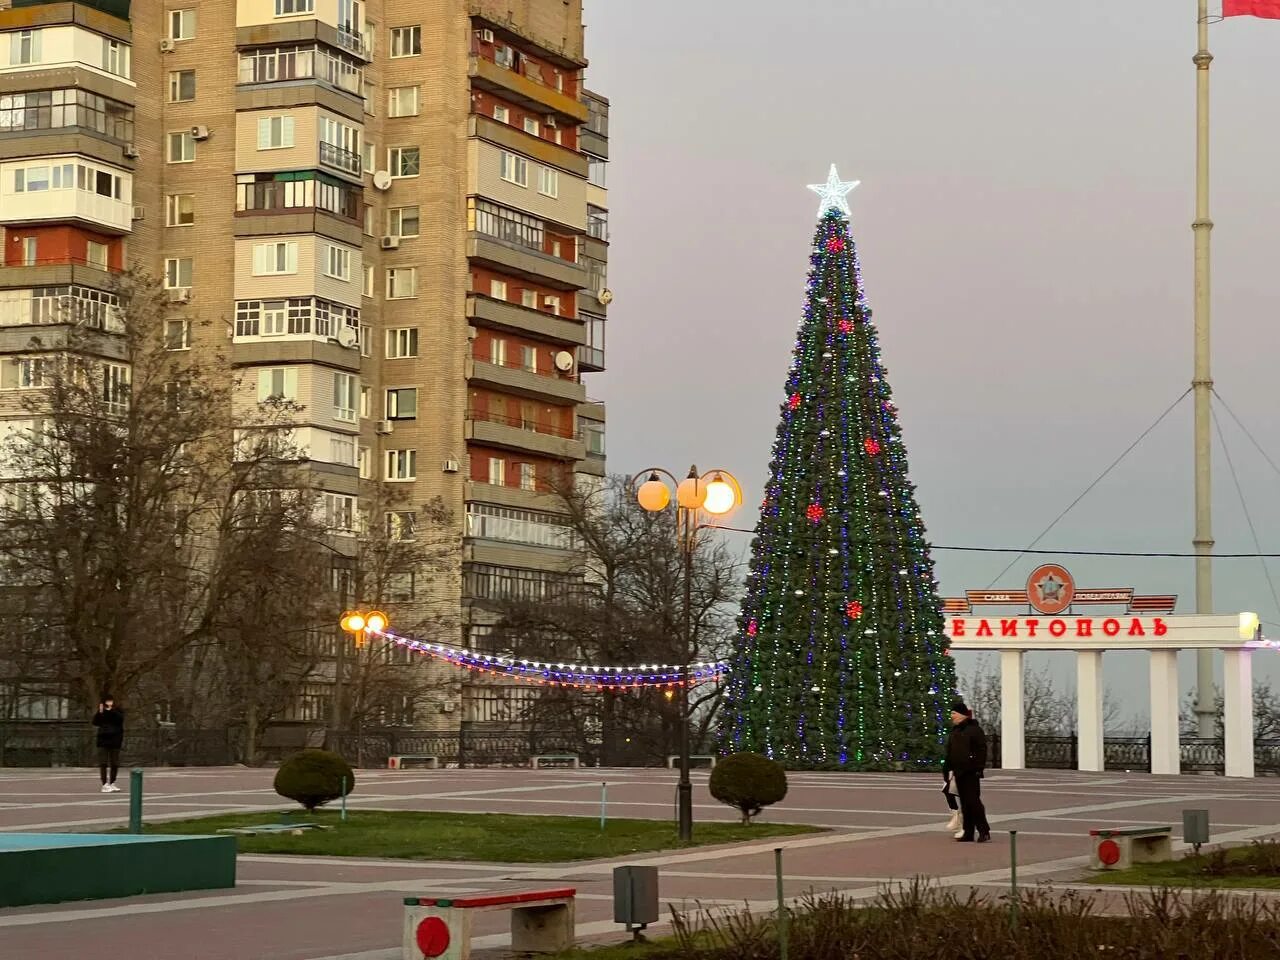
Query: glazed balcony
point(527, 90)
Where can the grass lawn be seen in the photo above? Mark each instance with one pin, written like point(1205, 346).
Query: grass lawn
point(412, 835)
point(1190, 872)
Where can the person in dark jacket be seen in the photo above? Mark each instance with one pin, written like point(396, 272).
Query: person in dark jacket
point(966, 758)
point(110, 723)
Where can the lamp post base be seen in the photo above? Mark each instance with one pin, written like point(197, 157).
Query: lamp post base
point(684, 808)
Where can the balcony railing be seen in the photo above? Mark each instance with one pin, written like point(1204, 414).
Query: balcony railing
point(546, 428)
point(62, 260)
point(512, 363)
point(283, 64)
point(354, 41)
point(334, 156)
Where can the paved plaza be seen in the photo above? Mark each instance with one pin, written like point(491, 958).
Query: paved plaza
point(882, 827)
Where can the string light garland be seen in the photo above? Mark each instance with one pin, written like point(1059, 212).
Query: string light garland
point(840, 660)
point(560, 674)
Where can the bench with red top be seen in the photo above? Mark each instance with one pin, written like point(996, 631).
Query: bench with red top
point(439, 928)
point(1121, 848)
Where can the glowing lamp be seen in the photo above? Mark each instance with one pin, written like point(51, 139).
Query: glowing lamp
point(653, 494)
point(691, 494)
point(352, 622)
point(721, 497)
point(376, 621)
point(1249, 623)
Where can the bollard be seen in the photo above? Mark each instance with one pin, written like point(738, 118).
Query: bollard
point(344, 799)
point(135, 800)
point(783, 931)
point(1013, 877)
point(604, 804)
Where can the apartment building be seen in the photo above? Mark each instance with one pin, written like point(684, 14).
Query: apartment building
point(393, 212)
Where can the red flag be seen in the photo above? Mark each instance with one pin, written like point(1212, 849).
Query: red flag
point(1269, 9)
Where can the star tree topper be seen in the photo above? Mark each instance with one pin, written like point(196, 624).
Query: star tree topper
point(833, 193)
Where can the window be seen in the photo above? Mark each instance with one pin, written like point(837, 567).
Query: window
point(177, 273)
point(182, 24)
point(402, 283)
point(514, 169)
point(501, 113)
point(275, 133)
point(63, 108)
point(116, 57)
point(182, 147)
point(368, 220)
point(402, 465)
point(406, 41)
point(595, 171)
point(498, 289)
point(369, 281)
point(401, 525)
point(30, 251)
point(498, 351)
point(597, 222)
point(529, 359)
point(552, 304)
point(497, 471)
point(276, 257)
point(404, 161)
point(177, 334)
point(180, 209)
point(182, 85)
point(528, 298)
point(402, 342)
point(507, 225)
point(402, 102)
point(366, 393)
point(531, 126)
point(518, 526)
point(337, 262)
point(339, 508)
point(115, 385)
point(346, 394)
point(277, 383)
point(368, 151)
point(95, 254)
point(402, 221)
point(176, 396)
point(548, 182)
point(24, 47)
point(289, 8)
point(339, 145)
point(364, 464)
point(402, 403)
point(25, 373)
point(528, 477)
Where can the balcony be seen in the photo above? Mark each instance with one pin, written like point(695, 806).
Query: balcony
point(505, 135)
point(594, 136)
point(528, 92)
point(104, 213)
point(515, 379)
point(518, 319)
point(521, 260)
point(524, 436)
point(337, 158)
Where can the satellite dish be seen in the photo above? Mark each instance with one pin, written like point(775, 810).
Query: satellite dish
point(347, 336)
point(382, 179)
point(605, 296)
point(564, 361)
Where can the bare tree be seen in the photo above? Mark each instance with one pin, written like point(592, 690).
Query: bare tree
point(1266, 713)
point(1046, 710)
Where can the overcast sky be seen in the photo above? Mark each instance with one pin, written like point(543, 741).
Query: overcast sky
point(1024, 225)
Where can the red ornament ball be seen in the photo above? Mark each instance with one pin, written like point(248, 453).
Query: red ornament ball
point(815, 512)
point(871, 445)
point(794, 401)
point(854, 609)
point(845, 325)
point(752, 628)
point(835, 245)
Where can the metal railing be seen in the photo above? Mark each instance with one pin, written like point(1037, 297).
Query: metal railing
point(1134, 754)
point(522, 423)
point(334, 156)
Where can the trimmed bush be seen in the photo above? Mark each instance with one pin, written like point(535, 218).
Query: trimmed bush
point(748, 782)
point(314, 778)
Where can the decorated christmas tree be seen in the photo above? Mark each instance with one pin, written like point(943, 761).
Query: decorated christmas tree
point(840, 659)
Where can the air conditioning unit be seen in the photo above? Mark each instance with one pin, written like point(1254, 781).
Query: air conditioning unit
point(448, 706)
point(131, 151)
point(200, 132)
point(390, 243)
point(179, 294)
point(167, 45)
point(486, 36)
point(549, 121)
point(382, 426)
point(139, 212)
point(451, 466)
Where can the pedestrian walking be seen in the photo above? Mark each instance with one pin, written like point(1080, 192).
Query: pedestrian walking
point(966, 759)
point(110, 723)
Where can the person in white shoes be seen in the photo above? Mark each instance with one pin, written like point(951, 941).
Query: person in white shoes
point(110, 723)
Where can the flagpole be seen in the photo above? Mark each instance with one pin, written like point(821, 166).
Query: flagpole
point(1202, 381)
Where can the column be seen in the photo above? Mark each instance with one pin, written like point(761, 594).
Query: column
point(1012, 750)
point(1166, 756)
point(1237, 711)
point(1089, 709)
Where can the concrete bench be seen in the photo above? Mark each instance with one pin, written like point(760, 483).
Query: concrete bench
point(436, 928)
point(708, 760)
point(404, 761)
point(1120, 848)
point(557, 758)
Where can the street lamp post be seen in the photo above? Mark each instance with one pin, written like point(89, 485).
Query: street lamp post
point(359, 625)
point(717, 494)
